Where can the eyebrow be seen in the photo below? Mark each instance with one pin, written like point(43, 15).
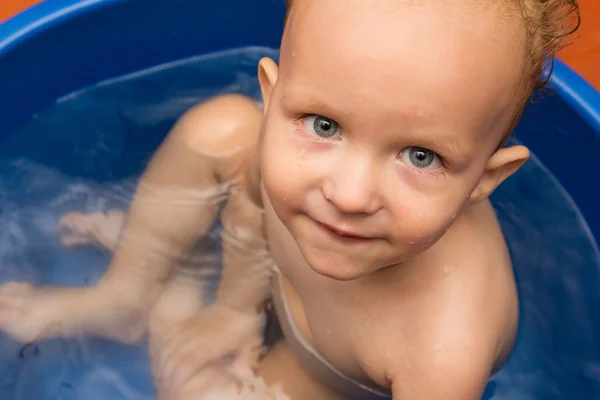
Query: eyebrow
point(304, 100)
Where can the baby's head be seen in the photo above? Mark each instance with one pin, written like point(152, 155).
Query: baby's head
point(384, 119)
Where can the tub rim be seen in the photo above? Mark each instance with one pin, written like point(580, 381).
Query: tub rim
point(569, 85)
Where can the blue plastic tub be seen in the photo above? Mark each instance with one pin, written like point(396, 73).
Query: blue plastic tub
point(63, 45)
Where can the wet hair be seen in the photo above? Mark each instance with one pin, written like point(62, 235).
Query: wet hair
point(549, 24)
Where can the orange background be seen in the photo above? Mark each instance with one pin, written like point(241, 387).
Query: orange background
point(583, 56)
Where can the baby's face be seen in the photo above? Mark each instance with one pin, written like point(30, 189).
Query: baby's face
point(381, 122)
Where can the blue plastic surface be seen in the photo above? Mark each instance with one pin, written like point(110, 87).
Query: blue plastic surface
point(63, 45)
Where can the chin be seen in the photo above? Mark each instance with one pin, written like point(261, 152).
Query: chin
point(343, 275)
point(335, 266)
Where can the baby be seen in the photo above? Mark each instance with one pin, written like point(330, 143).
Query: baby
point(356, 202)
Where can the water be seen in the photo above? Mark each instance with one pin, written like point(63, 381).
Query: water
point(85, 153)
point(556, 263)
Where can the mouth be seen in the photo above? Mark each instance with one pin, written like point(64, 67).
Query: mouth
point(343, 235)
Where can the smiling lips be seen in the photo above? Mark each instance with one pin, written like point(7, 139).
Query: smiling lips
point(342, 235)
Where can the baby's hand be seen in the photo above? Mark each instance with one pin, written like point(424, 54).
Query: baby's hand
point(216, 334)
point(212, 384)
point(252, 388)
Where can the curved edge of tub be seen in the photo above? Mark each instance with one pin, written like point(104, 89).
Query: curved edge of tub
point(569, 85)
point(41, 17)
point(578, 93)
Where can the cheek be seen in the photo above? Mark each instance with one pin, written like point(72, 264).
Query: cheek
point(422, 222)
point(281, 175)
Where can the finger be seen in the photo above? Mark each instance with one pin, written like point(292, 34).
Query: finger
point(241, 370)
point(250, 354)
point(184, 338)
point(212, 379)
point(187, 367)
point(193, 354)
point(198, 351)
point(203, 345)
point(173, 351)
point(172, 348)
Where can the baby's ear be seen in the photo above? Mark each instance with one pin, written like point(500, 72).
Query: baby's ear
point(503, 163)
point(267, 77)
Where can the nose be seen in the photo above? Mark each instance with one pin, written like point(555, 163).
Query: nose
point(352, 187)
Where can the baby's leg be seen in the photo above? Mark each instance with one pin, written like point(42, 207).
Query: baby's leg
point(175, 203)
point(280, 366)
point(24, 310)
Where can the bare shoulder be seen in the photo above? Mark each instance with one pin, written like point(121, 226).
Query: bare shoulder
point(485, 276)
point(220, 125)
point(460, 329)
point(477, 301)
point(449, 354)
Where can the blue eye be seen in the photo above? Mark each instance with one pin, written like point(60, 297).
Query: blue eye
point(421, 158)
point(321, 126)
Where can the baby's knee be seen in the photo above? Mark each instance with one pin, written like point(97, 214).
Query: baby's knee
point(220, 124)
